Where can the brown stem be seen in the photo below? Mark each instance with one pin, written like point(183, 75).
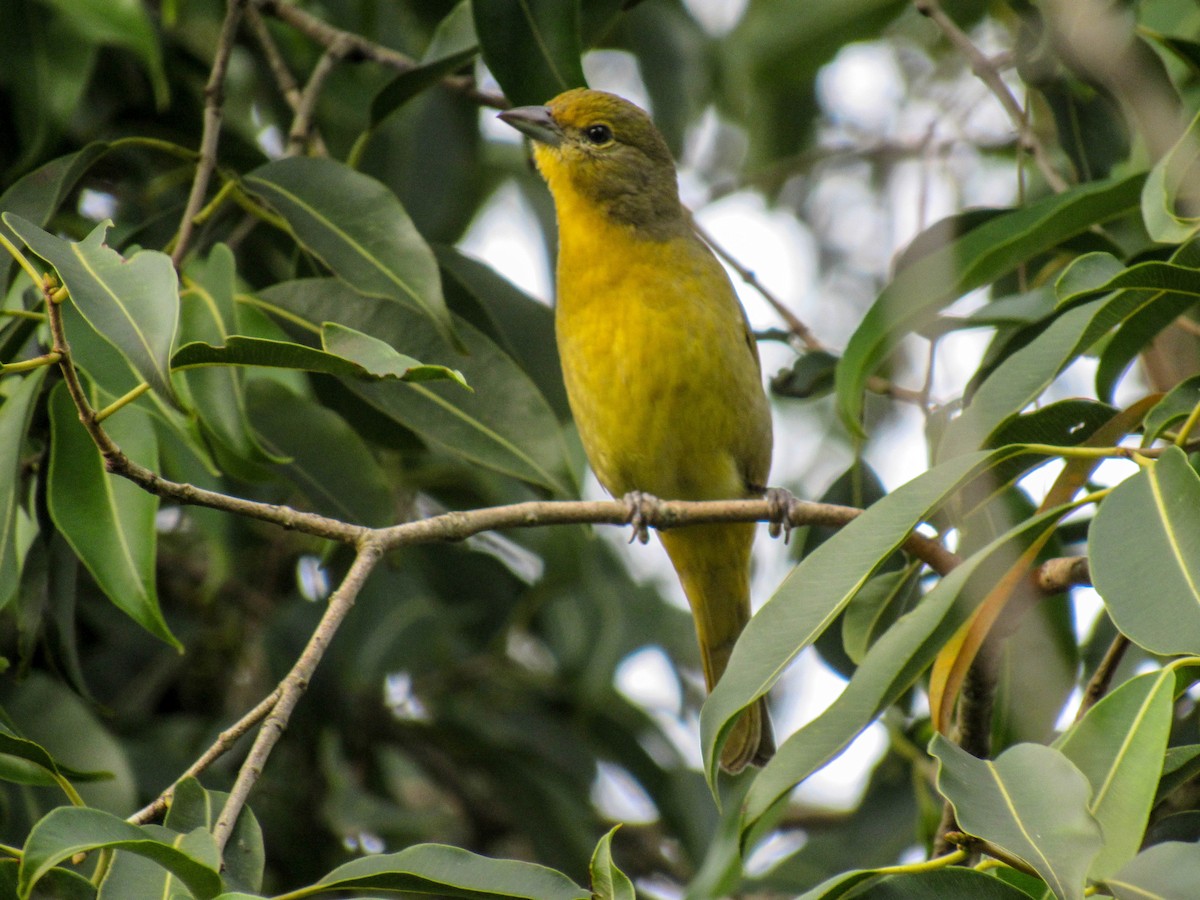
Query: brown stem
point(1098, 684)
point(214, 100)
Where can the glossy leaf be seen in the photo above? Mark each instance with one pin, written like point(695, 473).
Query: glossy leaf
point(108, 521)
point(356, 227)
point(609, 882)
point(1145, 543)
point(15, 413)
point(531, 46)
point(347, 353)
point(1031, 801)
point(133, 303)
point(1119, 747)
point(979, 257)
point(70, 830)
point(891, 665)
point(1168, 871)
point(453, 872)
point(505, 425)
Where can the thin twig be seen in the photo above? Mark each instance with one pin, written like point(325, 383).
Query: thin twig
point(987, 72)
point(289, 88)
point(356, 47)
point(1097, 685)
point(292, 688)
point(222, 745)
point(302, 124)
point(214, 112)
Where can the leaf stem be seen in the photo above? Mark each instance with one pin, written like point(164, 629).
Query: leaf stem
point(125, 400)
point(929, 865)
point(28, 365)
point(34, 275)
point(1188, 426)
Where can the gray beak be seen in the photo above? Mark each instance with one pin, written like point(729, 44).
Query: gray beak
point(534, 122)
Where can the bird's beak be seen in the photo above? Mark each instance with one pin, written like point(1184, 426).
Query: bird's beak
point(534, 122)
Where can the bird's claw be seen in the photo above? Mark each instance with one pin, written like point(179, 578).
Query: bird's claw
point(779, 505)
point(642, 508)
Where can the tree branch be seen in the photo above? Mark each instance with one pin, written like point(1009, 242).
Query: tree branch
point(214, 101)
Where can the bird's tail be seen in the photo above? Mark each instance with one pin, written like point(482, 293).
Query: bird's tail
point(713, 564)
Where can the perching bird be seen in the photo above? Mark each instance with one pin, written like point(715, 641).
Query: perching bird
point(661, 368)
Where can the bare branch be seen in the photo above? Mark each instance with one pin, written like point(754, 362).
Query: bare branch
point(214, 100)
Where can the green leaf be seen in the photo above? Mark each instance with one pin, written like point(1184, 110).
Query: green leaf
point(1168, 871)
point(208, 314)
point(609, 882)
point(1180, 765)
point(453, 872)
point(1171, 409)
point(812, 375)
point(950, 883)
point(37, 195)
point(120, 23)
point(1168, 195)
point(452, 46)
point(521, 325)
point(531, 46)
point(69, 830)
point(15, 413)
point(194, 808)
point(348, 484)
point(1145, 542)
point(356, 227)
point(1031, 801)
point(893, 662)
point(348, 353)
point(133, 303)
point(1119, 747)
point(13, 745)
point(108, 521)
point(506, 425)
point(817, 590)
point(977, 258)
point(136, 874)
point(876, 607)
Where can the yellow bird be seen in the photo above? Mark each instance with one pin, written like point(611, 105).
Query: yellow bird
point(661, 369)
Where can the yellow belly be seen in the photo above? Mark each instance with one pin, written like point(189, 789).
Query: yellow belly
point(664, 387)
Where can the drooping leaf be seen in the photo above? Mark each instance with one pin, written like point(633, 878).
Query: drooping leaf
point(531, 46)
point(69, 830)
point(348, 353)
point(1168, 196)
point(818, 589)
point(979, 257)
point(453, 872)
point(1031, 801)
point(1119, 748)
point(1145, 543)
point(133, 303)
point(891, 665)
point(15, 413)
point(356, 227)
point(108, 521)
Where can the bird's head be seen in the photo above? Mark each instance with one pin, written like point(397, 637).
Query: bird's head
point(605, 151)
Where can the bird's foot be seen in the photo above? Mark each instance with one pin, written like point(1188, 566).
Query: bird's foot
point(779, 503)
point(643, 508)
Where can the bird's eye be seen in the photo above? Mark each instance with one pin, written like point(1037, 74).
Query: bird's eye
point(598, 134)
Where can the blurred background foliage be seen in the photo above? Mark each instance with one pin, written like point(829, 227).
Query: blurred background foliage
point(517, 694)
